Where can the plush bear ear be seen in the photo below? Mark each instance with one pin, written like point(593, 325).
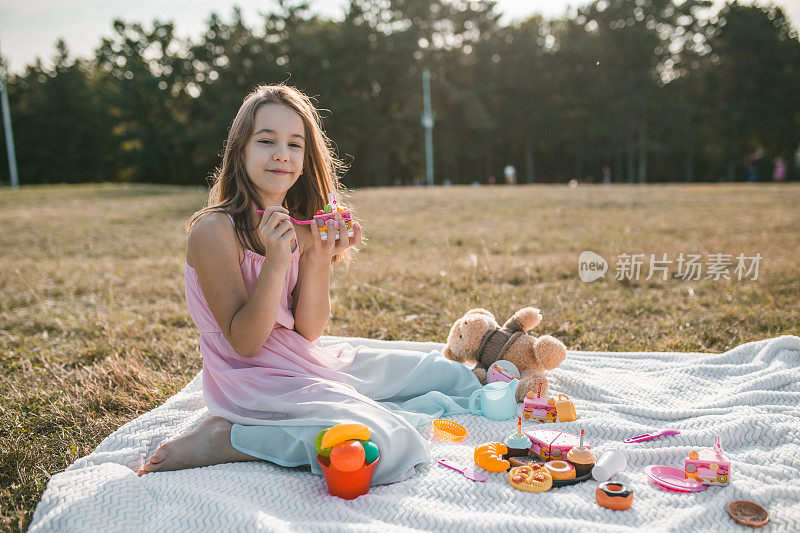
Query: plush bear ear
point(481, 311)
point(524, 320)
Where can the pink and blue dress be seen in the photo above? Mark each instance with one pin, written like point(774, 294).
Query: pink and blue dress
point(279, 399)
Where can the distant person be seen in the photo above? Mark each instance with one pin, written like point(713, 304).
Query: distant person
point(257, 288)
point(797, 160)
point(490, 180)
point(779, 171)
point(752, 164)
point(606, 175)
point(510, 174)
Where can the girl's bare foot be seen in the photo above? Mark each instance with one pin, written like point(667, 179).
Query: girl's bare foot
point(207, 444)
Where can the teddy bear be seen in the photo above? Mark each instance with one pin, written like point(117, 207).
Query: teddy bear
point(477, 338)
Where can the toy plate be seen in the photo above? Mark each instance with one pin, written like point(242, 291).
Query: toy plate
point(673, 478)
point(573, 481)
point(567, 482)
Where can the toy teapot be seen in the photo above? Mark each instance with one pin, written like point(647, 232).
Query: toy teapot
point(495, 400)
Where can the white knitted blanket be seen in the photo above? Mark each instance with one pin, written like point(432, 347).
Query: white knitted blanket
point(750, 396)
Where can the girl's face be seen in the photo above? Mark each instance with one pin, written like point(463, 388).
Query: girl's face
point(274, 153)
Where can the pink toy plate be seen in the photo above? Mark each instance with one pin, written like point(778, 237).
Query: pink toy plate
point(673, 478)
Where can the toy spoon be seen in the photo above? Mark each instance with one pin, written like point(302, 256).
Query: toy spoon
point(261, 212)
point(468, 472)
point(650, 436)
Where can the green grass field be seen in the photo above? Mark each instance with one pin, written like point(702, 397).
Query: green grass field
point(94, 329)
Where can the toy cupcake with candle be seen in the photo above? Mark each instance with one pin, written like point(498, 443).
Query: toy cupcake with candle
point(518, 444)
point(582, 458)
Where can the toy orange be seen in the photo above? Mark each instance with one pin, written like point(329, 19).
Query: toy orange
point(489, 456)
point(448, 430)
point(347, 456)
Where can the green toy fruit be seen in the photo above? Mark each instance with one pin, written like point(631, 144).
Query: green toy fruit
point(325, 452)
point(371, 451)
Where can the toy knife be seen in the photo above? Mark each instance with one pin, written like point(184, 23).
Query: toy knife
point(650, 436)
point(468, 472)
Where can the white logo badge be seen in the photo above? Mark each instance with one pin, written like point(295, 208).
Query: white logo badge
point(591, 266)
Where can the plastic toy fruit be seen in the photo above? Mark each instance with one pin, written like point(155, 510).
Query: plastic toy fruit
point(342, 432)
point(371, 451)
point(326, 452)
point(347, 456)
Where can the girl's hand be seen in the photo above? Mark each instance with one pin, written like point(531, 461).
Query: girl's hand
point(322, 251)
point(276, 232)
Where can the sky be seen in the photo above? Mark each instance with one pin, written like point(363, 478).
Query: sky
point(30, 28)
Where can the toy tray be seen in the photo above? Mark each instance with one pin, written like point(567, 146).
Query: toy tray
point(574, 481)
point(566, 482)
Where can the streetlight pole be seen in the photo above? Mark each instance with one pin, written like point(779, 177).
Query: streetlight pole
point(12, 158)
point(427, 123)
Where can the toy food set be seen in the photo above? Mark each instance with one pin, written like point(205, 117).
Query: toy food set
point(582, 458)
point(748, 513)
point(489, 456)
point(709, 466)
point(347, 458)
point(614, 496)
point(650, 436)
point(537, 408)
point(524, 460)
point(550, 444)
point(495, 400)
point(339, 213)
point(672, 479)
point(530, 478)
point(448, 430)
point(469, 472)
point(503, 370)
point(610, 464)
point(560, 470)
point(518, 444)
point(565, 409)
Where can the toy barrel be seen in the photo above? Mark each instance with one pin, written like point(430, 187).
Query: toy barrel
point(347, 485)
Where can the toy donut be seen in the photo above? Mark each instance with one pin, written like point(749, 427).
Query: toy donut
point(614, 496)
point(560, 469)
point(530, 478)
point(489, 456)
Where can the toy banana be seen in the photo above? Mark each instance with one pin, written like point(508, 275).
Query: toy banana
point(342, 432)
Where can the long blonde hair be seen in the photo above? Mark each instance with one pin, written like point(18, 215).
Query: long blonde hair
point(234, 193)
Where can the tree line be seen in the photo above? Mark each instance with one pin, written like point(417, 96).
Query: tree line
point(652, 90)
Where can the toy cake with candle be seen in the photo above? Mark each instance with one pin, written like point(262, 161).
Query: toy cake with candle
point(581, 457)
point(518, 444)
point(339, 213)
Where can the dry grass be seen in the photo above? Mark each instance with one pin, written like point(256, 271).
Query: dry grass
point(94, 329)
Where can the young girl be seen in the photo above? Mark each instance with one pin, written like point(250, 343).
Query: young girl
point(257, 287)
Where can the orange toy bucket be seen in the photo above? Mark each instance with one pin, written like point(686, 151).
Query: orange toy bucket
point(347, 485)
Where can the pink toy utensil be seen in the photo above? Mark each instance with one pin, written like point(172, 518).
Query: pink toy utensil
point(468, 472)
point(261, 212)
point(650, 436)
